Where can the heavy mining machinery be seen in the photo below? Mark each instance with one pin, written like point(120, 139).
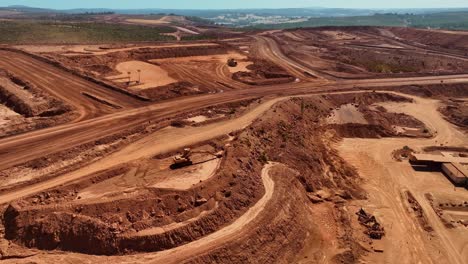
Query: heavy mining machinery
point(183, 159)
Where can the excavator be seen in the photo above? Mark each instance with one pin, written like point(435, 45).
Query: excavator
point(183, 159)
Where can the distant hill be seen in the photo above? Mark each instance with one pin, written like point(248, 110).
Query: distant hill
point(27, 9)
point(443, 20)
point(288, 12)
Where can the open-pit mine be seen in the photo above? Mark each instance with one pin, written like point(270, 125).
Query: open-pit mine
point(323, 145)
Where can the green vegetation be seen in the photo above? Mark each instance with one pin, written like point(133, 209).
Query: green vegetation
point(199, 20)
point(382, 67)
point(47, 32)
point(445, 20)
point(198, 37)
point(263, 158)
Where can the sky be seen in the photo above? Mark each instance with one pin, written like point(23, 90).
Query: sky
point(233, 4)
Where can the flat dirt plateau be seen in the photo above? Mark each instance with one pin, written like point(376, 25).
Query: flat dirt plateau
point(287, 183)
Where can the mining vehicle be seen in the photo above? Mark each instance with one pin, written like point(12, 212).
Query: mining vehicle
point(183, 159)
point(232, 63)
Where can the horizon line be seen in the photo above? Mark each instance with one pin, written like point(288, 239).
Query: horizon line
point(257, 8)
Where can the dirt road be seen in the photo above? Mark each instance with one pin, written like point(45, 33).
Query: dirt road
point(47, 141)
point(268, 48)
point(386, 180)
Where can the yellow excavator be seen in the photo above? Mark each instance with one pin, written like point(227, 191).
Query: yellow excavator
point(183, 159)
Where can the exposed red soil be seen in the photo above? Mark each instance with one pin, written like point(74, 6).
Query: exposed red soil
point(434, 38)
point(456, 111)
point(235, 187)
point(453, 96)
point(38, 108)
point(380, 122)
point(193, 81)
point(104, 63)
point(96, 149)
point(118, 211)
point(357, 52)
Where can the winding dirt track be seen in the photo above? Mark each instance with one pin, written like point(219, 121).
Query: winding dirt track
point(268, 48)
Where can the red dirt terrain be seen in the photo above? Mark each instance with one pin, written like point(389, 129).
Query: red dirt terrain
point(299, 149)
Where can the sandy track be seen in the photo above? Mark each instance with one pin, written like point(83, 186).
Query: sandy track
point(65, 86)
point(269, 49)
point(224, 235)
point(236, 230)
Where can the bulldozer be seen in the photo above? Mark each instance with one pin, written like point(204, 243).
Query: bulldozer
point(183, 159)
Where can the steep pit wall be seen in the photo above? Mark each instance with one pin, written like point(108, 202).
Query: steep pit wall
point(13, 102)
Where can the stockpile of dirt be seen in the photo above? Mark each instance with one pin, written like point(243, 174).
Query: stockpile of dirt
point(292, 134)
point(281, 228)
point(263, 73)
